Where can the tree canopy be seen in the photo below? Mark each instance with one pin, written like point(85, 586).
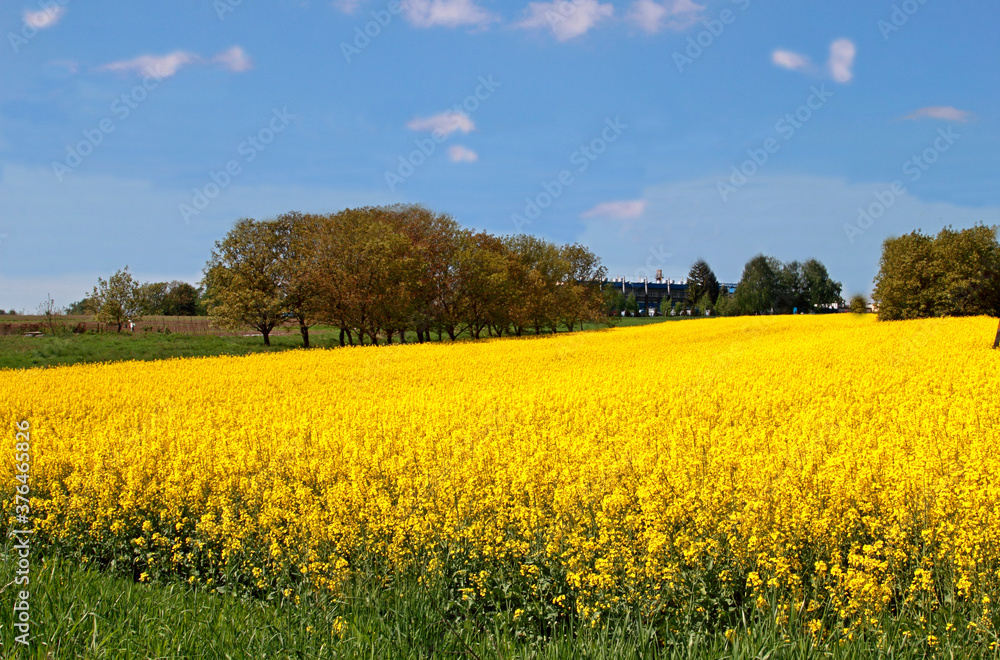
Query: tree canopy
point(956, 273)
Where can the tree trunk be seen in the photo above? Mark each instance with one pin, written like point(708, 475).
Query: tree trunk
point(267, 336)
point(304, 330)
point(341, 336)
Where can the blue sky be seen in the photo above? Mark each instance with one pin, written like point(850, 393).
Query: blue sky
point(656, 132)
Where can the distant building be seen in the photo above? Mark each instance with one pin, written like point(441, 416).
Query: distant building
point(660, 295)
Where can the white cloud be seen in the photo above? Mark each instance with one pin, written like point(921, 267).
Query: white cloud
point(943, 112)
point(157, 66)
point(786, 59)
point(446, 13)
point(842, 53)
point(43, 18)
point(676, 15)
point(621, 210)
point(460, 154)
point(163, 66)
point(234, 59)
point(446, 123)
point(566, 19)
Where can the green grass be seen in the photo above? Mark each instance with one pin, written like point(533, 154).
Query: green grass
point(18, 352)
point(77, 613)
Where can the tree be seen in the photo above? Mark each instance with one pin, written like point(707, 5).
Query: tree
point(84, 306)
point(152, 295)
point(724, 304)
point(581, 298)
point(858, 304)
point(117, 300)
point(614, 301)
point(967, 269)
point(181, 299)
point(956, 273)
point(702, 281)
point(49, 311)
point(295, 240)
point(243, 278)
point(756, 290)
point(820, 289)
point(631, 305)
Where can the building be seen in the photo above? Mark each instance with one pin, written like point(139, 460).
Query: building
point(659, 295)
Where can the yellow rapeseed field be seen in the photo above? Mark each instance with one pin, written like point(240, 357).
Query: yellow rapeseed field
point(829, 466)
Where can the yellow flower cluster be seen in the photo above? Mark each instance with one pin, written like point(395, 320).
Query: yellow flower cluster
point(828, 464)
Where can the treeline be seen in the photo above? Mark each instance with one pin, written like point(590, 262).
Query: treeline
point(121, 299)
point(379, 272)
point(956, 273)
point(767, 286)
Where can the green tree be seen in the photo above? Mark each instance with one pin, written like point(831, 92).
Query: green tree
point(820, 289)
point(724, 304)
point(181, 299)
point(631, 305)
point(756, 290)
point(702, 281)
point(858, 304)
point(244, 279)
point(152, 295)
point(967, 272)
point(904, 286)
point(117, 300)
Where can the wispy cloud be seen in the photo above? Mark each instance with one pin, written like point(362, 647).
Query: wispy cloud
point(460, 154)
point(840, 65)
point(620, 210)
point(652, 17)
point(841, 62)
point(165, 66)
point(786, 59)
point(348, 6)
point(44, 18)
point(234, 59)
point(445, 13)
point(157, 66)
point(445, 123)
point(942, 112)
point(567, 20)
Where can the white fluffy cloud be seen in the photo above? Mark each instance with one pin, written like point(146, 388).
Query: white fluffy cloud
point(460, 154)
point(841, 62)
point(164, 66)
point(840, 65)
point(565, 18)
point(445, 13)
point(446, 123)
point(651, 16)
point(234, 59)
point(620, 210)
point(786, 59)
point(943, 112)
point(43, 18)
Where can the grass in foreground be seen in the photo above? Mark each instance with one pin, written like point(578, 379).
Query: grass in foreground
point(18, 352)
point(79, 613)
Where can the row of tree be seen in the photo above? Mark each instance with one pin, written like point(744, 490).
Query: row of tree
point(378, 272)
point(956, 273)
point(121, 299)
point(768, 286)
